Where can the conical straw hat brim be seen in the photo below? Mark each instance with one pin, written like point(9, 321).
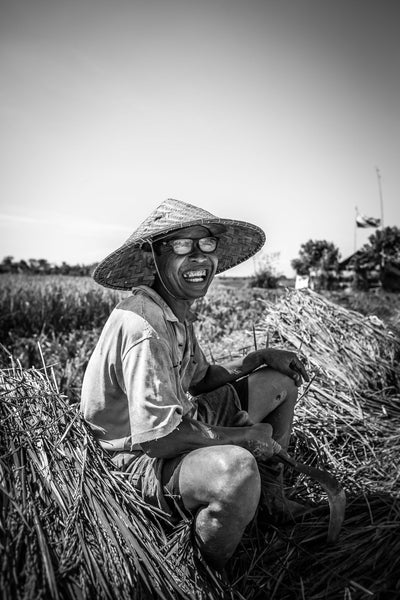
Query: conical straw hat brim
point(129, 265)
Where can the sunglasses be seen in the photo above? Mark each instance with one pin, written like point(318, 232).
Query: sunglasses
point(184, 246)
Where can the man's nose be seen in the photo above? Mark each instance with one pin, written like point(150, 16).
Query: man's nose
point(197, 255)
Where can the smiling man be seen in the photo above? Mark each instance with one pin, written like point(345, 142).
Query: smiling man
point(184, 435)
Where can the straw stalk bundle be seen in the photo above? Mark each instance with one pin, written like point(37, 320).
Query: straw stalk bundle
point(347, 420)
point(71, 527)
point(348, 417)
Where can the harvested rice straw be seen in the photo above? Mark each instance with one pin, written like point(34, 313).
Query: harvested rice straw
point(354, 349)
point(354, 391)
point(347, 419)
point(70, 526)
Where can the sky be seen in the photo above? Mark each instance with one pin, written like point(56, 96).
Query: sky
point(276, 112)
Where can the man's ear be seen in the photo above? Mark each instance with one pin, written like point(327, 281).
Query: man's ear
point(148, 256)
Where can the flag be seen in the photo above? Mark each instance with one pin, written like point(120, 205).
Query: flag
point(363, 221)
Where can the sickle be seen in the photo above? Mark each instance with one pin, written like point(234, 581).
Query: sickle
point(336, 494)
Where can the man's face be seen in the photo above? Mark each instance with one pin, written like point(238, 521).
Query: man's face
point(186, 276)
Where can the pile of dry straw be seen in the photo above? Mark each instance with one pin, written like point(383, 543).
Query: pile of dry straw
point(71, 527)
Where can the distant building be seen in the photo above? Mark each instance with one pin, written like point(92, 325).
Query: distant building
point(356, 274)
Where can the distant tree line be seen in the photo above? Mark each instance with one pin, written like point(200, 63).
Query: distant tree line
point(317, 258)
point(40, 266)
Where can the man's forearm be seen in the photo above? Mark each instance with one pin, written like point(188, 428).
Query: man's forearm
point(283, 361)
point(191, 434)
point(217, 376)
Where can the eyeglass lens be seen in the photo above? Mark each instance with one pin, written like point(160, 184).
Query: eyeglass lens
point(186, 245)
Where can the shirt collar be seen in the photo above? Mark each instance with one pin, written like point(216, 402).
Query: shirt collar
point(169, 314)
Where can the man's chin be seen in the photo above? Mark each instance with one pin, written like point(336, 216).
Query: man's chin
point(196, 289)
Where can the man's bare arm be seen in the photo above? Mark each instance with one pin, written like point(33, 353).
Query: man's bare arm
point(284, 361)
point(191, 434)
point(215, 377)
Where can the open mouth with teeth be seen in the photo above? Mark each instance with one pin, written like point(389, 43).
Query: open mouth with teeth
point(195, 276)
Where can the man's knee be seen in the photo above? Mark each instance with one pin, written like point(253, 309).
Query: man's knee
point(229, 476)
point(274, 384)
point(236, 486)
point(235, 466)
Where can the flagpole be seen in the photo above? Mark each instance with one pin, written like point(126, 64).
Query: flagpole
point(378, 174)
point(355, 230)
point(382, 253)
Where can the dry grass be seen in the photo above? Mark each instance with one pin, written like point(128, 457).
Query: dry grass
point(347, 420)
point(73, 528)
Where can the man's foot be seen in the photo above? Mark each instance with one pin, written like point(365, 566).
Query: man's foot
point(280, 510)
point(277, 508)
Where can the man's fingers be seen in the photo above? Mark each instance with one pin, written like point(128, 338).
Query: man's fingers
point(303, 372)
point(242, 419)
point(297, 366)
point(297, 379)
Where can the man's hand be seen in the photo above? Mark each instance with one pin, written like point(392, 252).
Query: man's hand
point(259, 441)
point(284, 361)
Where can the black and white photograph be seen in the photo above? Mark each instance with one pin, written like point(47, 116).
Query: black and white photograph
point(199, 300)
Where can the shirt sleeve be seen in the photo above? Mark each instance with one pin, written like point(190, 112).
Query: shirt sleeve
point(150, 380)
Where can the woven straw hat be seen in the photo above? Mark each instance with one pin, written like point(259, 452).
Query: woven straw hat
point(129, 265)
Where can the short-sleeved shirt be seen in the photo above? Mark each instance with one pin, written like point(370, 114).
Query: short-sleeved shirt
point(135, 388)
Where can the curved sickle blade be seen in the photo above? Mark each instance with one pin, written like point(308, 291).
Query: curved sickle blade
point(336, 494)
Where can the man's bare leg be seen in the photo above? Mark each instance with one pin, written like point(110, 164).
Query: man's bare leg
point(222, 484)
point(272, 398)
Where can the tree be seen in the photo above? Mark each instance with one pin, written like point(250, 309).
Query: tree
point(378, 261)
point(22, 266)
point(383, 247)
point(44, 266)
point(7, 264)
point(33, 265)
point(319, 259)
point(318, 255)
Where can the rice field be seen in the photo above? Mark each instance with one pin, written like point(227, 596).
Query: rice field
point(71, 527)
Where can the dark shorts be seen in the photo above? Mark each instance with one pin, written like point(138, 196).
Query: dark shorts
point(157, 479)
